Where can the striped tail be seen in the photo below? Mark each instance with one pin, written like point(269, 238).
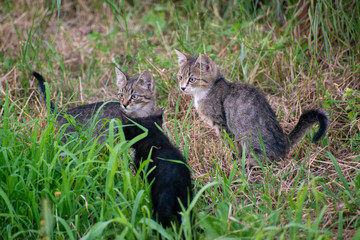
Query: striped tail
point(306, 121)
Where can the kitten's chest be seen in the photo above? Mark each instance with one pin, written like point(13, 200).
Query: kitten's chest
point(200, 99)
point(210, 109)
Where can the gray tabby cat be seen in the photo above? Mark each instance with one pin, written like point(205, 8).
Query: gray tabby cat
point(137, 99)
point(241, 109)
point(137, 95)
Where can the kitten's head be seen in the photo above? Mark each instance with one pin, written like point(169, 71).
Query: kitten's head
point(148, 122)
point(196, 73)
point(137, 95)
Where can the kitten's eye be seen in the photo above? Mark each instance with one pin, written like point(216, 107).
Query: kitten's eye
point(180, 77)
point(191, 79)
point(121, 94)
point(134, 96)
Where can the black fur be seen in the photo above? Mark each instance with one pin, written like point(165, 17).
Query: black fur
point(171, 179)
point(85, 114)
point(41, 81)
point(171, 174)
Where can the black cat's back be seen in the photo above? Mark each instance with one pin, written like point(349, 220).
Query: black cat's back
point(84, 113)
point(94, 116)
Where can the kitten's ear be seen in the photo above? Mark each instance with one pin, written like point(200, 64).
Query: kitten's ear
point(158, 116)
point(120, 78)
point(182, 57)
point(205, 63)
point(146, 81)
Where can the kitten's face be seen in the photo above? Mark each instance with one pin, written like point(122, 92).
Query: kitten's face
point(137, 95)
point(196, 74)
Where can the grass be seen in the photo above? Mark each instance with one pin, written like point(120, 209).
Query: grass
point(300, 55)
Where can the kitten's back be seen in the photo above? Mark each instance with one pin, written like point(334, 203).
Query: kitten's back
point(253, 118)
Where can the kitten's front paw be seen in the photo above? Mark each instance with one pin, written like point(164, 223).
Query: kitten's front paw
point(217, 131)
point(251, 162)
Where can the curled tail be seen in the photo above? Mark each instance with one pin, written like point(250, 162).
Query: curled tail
point(41, 81)
point(306, 121)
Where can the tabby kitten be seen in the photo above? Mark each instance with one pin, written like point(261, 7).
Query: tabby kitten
point(137, 99)
point(137, 95)
point(241, 109)
point(171, 175)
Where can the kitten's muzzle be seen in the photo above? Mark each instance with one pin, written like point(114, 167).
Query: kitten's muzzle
point(183, 88)
point(125, 103)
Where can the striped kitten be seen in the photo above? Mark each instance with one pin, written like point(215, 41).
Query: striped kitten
point(241, 109)
point(137, 95)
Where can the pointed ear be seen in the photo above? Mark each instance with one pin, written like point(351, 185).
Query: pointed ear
point(182, 57)
point(146, 81)
point(158, 116)
point(205, 63)
point(120, 78)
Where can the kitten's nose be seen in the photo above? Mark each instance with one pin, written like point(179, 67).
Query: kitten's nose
point(183, 88)
point(125, 104)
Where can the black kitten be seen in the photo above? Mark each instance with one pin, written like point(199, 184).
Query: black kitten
point(171, 174)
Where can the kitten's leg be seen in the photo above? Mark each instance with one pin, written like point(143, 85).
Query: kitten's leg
point(241, 146)
point(251, 161)
point(239, 143)
point(217, 131)
point(238, 146)
point(214, 126)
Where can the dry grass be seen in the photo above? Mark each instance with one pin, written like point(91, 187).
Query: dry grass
point(290, 86)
